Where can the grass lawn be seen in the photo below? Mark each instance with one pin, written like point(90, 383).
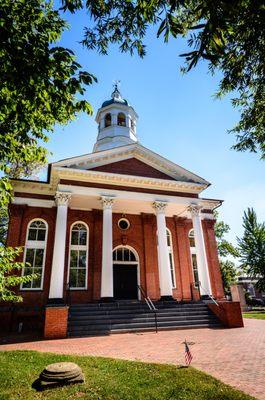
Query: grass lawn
point(110, 379)
point(254, 314)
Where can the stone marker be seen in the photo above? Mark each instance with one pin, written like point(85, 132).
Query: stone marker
point(59, 374)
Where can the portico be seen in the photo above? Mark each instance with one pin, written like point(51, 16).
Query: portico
point(118, 202)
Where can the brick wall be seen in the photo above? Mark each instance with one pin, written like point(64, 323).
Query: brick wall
point(55, 325)
point(20, 216)
point(141, 236)
point(229, 313)
point(212, 258)
point(132, 167)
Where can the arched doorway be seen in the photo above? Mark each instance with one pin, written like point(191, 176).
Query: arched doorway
point(125, 273)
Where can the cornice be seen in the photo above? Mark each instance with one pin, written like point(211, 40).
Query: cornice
point(37, 187)
point(128, 180)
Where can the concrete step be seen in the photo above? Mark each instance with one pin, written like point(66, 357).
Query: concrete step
point(137, 305)
point(115, 311)
point(124, 325)
point(107, 331)
point(106, 318)
point(124, 317)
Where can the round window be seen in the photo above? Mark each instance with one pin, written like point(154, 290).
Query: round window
point(124, 224)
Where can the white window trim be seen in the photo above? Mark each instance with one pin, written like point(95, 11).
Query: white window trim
point(34, 244)
point(171, 251)
point(193, 250)
point(78, 247)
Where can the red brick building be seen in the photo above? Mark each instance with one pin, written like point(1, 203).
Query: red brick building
point(122, 216)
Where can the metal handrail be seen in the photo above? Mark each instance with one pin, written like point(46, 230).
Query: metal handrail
point(149, 303)
point(211, 297)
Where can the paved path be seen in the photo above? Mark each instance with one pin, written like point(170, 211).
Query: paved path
point(235, 356)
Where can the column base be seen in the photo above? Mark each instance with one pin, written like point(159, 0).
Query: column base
point(107, 299)
point(166, 298)
point(55, 302)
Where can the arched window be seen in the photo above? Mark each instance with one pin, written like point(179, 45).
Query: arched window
point(171, 258)
point(192, 238)
point(78, 256)
point(194, 258)
point(107, 120)
point(34, 254)
point(123, 254)
point(121, 119)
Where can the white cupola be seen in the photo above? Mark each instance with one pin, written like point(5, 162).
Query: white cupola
point(116, 123)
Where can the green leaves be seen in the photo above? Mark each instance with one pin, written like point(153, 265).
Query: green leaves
point(41, 85)
point(229, 35)
point(252, 248)
point(229, 274)
point(6, 192)
point(9, 269)
point(40, 82)
point(225, 249)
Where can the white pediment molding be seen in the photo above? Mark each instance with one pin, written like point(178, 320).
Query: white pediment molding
point(138, 151)
point(28, 186)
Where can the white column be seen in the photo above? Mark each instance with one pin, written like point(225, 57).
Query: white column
point(107, 262)
point(114, 118)
point(101, 123)
point(57, 273)
point(163, 256)
point(203, 272)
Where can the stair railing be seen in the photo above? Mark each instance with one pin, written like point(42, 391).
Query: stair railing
point(149, 303)
point(208, 294)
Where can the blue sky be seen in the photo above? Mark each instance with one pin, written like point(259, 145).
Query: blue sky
point(178, 118)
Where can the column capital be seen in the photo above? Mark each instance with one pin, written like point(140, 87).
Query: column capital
point(62, 198)
point(160, 206)
point(194, 209)
point(107, 202)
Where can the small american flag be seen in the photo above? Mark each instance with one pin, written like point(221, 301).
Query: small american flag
point(188, 355)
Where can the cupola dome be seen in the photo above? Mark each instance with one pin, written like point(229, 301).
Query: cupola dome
point(116, 123)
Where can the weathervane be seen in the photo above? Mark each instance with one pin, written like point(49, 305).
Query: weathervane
point(116, 84)
point(116, 93)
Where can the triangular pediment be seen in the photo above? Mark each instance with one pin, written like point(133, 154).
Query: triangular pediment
point(132, 166)
point(131, 160)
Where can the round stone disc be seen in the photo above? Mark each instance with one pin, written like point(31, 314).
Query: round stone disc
point(62, 368)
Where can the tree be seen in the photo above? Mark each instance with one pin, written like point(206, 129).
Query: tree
point(229, 274)
point(230, 35)
point(40, 82)
point(225, 249)
point(3, 225)
point(41, 85)
point(251, 248)
point(8, 273)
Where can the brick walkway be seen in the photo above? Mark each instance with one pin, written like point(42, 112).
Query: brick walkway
point(235, 356)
